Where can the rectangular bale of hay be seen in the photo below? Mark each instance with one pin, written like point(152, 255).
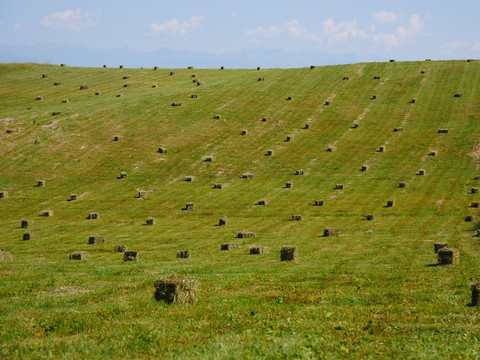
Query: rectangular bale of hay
point(208, 158)
point(443, 131)
point(457, 95)
point(244, 132)
point(46, 213)
point(93, 216)
point(369, 217)
point(190, 178)
point(289, 253)
point(474, 190)
point(381, 149)
point(439, 245)
point(25, 224)
point(376, 77)
point(288, 139)
point(364, 168)
point(189, 206)
point(183, 254)
point(83, 87)
point(402, 185)
point(229, 246)
point(262, 202)
point(259, 250)
point(176, 289)
point(421, 172)
point(448, 257)
point(194, 96)
point(299, 172)
point(318, 203)
point(269, 153)
point(390, 203)
point(130, 255)
point(288, 185)
point(331, 232)
point(432, 153)
point(346, 78)
point(468, 218)
point(248, 175)
point(176, 104)
point(154, 85)
point(3, 194)
point(245, 234)
point(120, 248)
point(296, 217)
point(56, 113)
point(307, 126)
point(40, 183)
point(78, 255)
point(28, 236)
point(162, 150)
point(38, 98)
point(218, 186)
point(398, 129)
point(222, 221)
point(288, 98)
point(339, 187)
point(96, 239)
point(123, 175)
point(475, 293)
point(150, 221)
point(141, 194)
point(474, 204)
point(217, 117)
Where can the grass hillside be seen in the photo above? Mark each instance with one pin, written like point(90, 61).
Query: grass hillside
point(369, 293)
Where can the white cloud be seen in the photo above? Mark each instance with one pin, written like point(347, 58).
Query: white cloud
point(17, 26)
point(451, 48)
point(342, 31)
point(402, 34)
point(175, 27)
point(267, 32)
point(385, 17)
point(291, 28)
point(71, 19)
point(296, 31)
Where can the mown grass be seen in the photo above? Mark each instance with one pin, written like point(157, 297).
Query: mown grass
point(369, 293)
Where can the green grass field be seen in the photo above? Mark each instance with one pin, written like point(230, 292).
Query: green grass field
point(369, 293)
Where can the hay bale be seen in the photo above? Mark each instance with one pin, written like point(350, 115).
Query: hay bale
point(327, 103)
point(40, 183)
point(93, 216)
point(222, 67)
point(155, 68)
point(190, 68)
point(369, 217)
point(457, 95)
point(432, 153)
point(338, 187)
point(194, 96)
point(96, 239)
point(130, 255)
point(354, 126)
point(229, 246)
point(381, 149)
point(475, 293)
point(288, 185)
point(468, 218)
point(126, 85)
point(218, 186)
point(208, 158)
point(439, 245)
point(25, 224)
point(73, 197)
point(154, 85)
point(289, 253)
point(262, 202)
point(259, 250)
point(413, 101)
point(123, 175)
point(422, 72)
point(331, 232)
point(47, 213)
point(3, 194)
point(398, 129)
point(448, 257)
point(162, 150)
point(364, 168)
point(421, 172)
point(248, 175)
point(299, 172)
point(183, 254)
point(306, 126)
point(222, 221)
point(189, 206)
point(5, 256)
point(55, 113)
point(217, 117)
point(428, 59)
point(244, 132)
point(402, 185)
point(474, 204)
point(443, 131)
point(78, 255)
point(264, 119)
point(176, 104)
point(120, 67)
point(141, 194)
point(318, 203)
point(97, 92)
point(200, 83)
point(373, 97)
point(296, 217)
point(194, 75)
point(38, 98)
point(390, 203)
point(44, 76)
point(190, 178)
point(172, 73)
point(259, 68)
point(28, 236)
point(104, 66)
point(312, 67)
point(476, 177)
point(195, 80)
point(64, 101)
point(150, 221)
point(376, 77)
point(269, 153)
point(120, 248)
point(245, 234)
point(288, 139)
point(474, 190)
point(346, 78)
point(288, 98)
point(83, 87)
point(116, 138)
point(118, 95)
point(392, 60)
point(56, 83)
point(176, 289)
point(126, 77)
point(10, 131)
point(470, 60)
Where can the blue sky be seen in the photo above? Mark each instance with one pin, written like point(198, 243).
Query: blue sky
point(370, 29)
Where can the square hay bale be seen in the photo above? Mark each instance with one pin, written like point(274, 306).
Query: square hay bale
point(261, 79)
point(155, 68)
point(392, 60)
point(476, 177)
point(262, 202)
point(245, 234)
point(208, 158)
point(439, 245)
point(474, 190)
point(25, 224)
point(398, 129)
point(64, 101)
point(288, 185)
point(475, 293)
point(141, 194)
point(259, 68)
point(259, 250)
point(373, 97)
point(123, 175)
point(443, 131)
point(376, 77)
point(5, 256)
point(468, 218)
point(176, 289)
point(390, 203)
point(432, 153)
point(312, 67)
point(78, 255)
point(172, 73)
point(364, 168)
point(421, 172)
point(327, 103)
point(11, 131)
point(83, 87)
point(150, 221)
point(402, 185)
point(56, 113)
point(339, 187)
point(119, 95)
point(369, 217)
point(457, 95)
point(190, 68)
point(183, 254)
point(470, 60)
point(413, 101)
point(104, 66)
point(381, 149)
point(126, 77)
point(248, 175)
point(448, 257)
point(346, 78)
point(354, 126)
point(176, 104)
point(222, 67)
point(194, 96)
point(154, 85)
point(289, 253)
point(307, 126)
point(195, 80)
point(96, 239)
point(222, 221)
point(190, 178)
point(189, 206)
point(3, 194)
point(38, 98)
point(93, 216)
point(269, 153)
point(422, 72)
point(46, 213)
point(126, 85)
point(194, 75)
point(217, 117)
point(200, 83)
point(130, 255)
point(299, 172)
point(288, 139)
point(296, 217)
point(44, 76)
point(97, 92)
point(288, 98)
point(264, 119)
point(318, 203)
point(162, 150)
point(428, 59)
point(331, 232)
point(56, 83)
point(474, 204)
point(229, 246)
point(120, 248)
point(120, 67)
point(116, 138)
point(28, 236)
point(218, 186)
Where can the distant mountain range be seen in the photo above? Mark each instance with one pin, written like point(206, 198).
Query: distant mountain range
point(168, 58)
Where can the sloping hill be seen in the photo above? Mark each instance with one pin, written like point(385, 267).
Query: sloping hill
point(369, 292)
